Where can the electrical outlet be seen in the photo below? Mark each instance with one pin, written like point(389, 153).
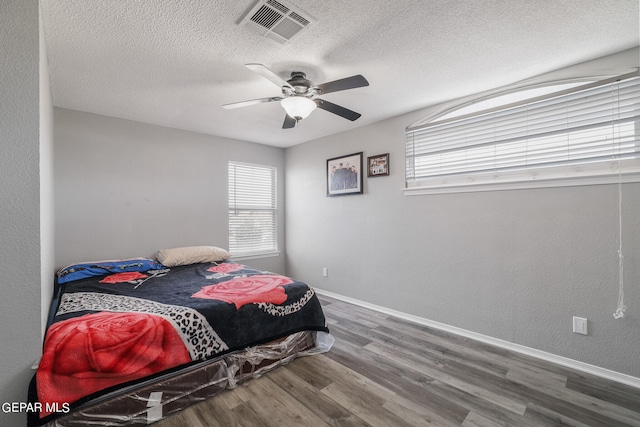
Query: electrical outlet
point(580, 325)
point(325, 272)
point(36, 364)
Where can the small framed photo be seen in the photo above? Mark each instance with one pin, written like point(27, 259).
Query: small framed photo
point(344, 175)
point(378, 165)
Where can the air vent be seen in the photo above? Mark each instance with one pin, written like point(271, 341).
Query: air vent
point(276, 20)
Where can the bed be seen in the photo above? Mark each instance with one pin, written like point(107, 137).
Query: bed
point(130, 342)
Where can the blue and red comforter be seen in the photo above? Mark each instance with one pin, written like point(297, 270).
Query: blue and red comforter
point(119, 328)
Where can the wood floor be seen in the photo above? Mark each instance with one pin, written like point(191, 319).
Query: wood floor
point(383, 371)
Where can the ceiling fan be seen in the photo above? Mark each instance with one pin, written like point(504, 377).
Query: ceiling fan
point(299, 95)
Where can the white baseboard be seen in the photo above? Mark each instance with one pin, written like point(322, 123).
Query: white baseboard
point(543, 355)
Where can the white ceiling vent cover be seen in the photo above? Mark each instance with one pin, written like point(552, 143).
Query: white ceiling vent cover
point(277, 20)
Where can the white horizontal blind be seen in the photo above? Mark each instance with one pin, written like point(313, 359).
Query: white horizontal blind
point(588, 130)
point(253, 226)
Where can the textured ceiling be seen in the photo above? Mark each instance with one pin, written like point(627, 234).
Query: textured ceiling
point(174, 63)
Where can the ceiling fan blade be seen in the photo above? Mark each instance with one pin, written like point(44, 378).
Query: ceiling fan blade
point(251, 102)
point(289, 122)
point(336, 109)
point(268, 74)
point(343, 84)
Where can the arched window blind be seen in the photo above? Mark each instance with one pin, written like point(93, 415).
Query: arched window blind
point(253, 213)
point(592, 130)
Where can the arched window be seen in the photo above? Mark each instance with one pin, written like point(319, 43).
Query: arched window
point(564, 134)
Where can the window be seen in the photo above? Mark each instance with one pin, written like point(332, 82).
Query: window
point(588, 133)
point(253, 213)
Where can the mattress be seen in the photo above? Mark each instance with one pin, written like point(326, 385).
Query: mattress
point(158, 398)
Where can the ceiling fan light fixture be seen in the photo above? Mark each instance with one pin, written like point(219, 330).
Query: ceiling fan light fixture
point(298, 107)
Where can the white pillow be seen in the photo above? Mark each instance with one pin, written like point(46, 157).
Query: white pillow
point(191, 255)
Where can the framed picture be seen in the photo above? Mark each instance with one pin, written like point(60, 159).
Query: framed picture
point(378, 165)
point(344, 175)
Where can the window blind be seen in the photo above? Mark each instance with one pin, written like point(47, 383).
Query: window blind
point(588, 130)
point(253, 227)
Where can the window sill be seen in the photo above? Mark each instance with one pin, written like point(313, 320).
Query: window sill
point(520, 184)
point(255, 256)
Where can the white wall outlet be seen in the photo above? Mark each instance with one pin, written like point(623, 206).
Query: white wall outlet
point(325, 272)
point(580, 325)
point(36, 364)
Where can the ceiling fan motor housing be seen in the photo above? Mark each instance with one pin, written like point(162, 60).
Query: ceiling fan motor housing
point(300, 86)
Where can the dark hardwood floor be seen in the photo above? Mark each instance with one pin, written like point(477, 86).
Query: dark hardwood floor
point(384, 371)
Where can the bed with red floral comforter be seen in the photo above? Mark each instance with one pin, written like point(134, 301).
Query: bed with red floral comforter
point(116, 329)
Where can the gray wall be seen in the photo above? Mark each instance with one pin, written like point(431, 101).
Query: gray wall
point(47, 215)
point(127, 189)
point(514, 265)
point(23, 149)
